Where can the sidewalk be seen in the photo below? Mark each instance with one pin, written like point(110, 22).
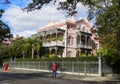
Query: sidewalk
point(67, 76)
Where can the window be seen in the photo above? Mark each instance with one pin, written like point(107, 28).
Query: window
point(83, 29)
point(79, 26)
point(78, 40)
point(70, 40)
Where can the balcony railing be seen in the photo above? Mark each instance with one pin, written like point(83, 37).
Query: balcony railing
point(84, 46)
point(53, 43)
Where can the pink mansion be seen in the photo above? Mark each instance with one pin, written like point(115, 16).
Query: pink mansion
point(70, 37)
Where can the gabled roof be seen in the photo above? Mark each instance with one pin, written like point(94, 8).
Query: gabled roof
point(54, 25)
point(86, 22)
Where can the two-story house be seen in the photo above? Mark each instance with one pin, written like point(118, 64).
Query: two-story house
point(68, 37)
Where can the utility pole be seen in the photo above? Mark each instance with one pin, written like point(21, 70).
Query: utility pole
point(100, 64)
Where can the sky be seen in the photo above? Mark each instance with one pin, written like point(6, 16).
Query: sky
point(27, 23)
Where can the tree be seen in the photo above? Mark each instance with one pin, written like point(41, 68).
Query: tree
point(4, 29)
point(4, 35)
point(4, 51)
point(69, 5)
point(24, 47)
point(15, 49)
point(30, 43)
point(38, 45)
point(35, 44)
point(1, 12)
point(108, 23)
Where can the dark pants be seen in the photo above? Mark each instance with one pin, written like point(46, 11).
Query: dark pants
point(54, 73)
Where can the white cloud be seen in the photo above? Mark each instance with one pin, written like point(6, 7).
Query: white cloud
point(82, 11)
point(26, 33)
point(26, 24)
point(22, 21)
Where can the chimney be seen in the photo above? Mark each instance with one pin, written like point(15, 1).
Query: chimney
point(50, 22)
point(74, 15)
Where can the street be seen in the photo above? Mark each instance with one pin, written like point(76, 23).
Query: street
point(39, 78)
point(18, 78)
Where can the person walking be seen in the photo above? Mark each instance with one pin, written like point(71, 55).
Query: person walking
point(54, 69)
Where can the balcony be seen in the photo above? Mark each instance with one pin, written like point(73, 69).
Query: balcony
point(84, 46)
point(53, 43)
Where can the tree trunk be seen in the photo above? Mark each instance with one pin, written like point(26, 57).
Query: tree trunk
point(33, 47)
point(23, 52)
point(38, 53)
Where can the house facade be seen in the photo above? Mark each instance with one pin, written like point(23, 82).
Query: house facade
point(7, 41)
point(68, 38)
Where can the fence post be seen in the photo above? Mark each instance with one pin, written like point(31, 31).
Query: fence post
point(100, 64)
point(72, 67)
point(85, 72)
point(12, 62)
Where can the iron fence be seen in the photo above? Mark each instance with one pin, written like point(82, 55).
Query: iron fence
point(83, 67)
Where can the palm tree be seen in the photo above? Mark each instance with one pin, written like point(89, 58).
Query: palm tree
point(24, 47)
point(31, 42)
point(38, 44)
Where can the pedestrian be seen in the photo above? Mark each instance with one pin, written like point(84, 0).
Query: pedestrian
point(6, 67)
point(54, 69)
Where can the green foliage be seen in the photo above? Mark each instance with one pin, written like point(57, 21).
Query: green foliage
point(1, 62)
point(108, 22)
point(1, 12)
point(69, 5)
point(23, 47)
point(53, 56)
point(112, 60)
point(4, 31)
point(60, 38)
point(48, 39)
point(105, 52)
point(60, 59)
point(83, 55)
point(4, 51)
point(53, 38)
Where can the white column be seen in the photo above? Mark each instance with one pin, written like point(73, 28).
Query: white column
point(86, 41)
